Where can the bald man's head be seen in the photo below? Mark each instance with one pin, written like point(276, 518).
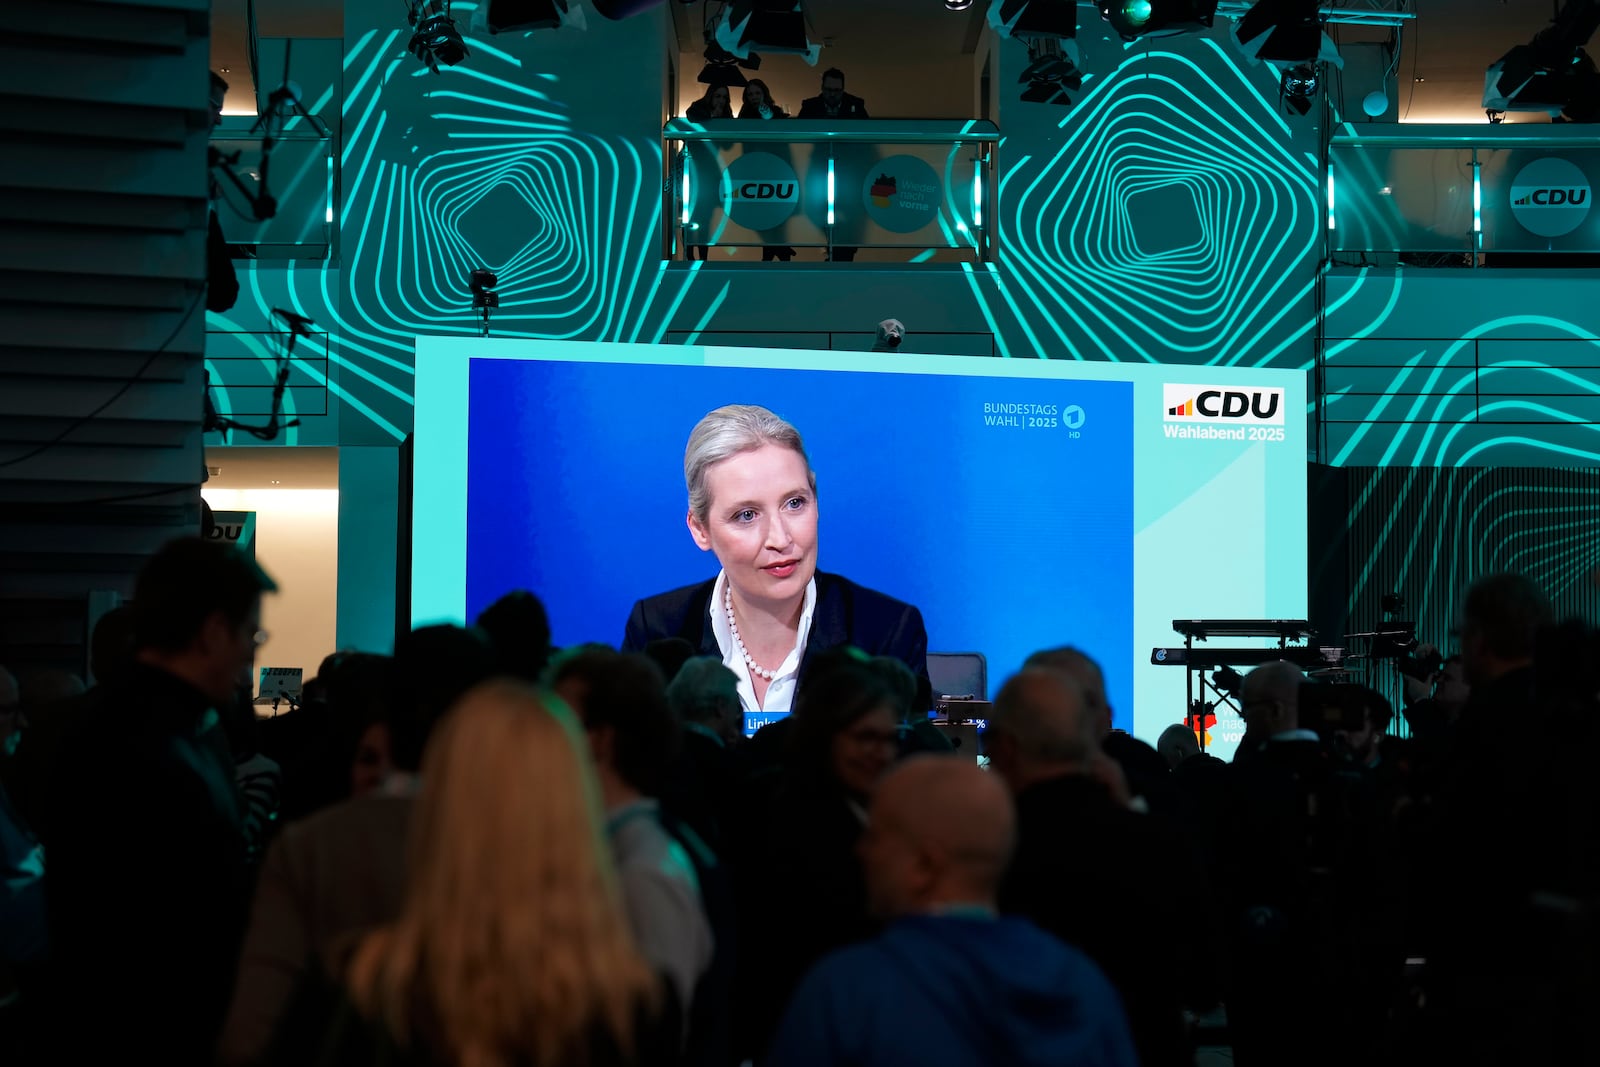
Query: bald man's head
point(940, 832)
point(1081, 668)
point(1270, 699)
point(1041, 727)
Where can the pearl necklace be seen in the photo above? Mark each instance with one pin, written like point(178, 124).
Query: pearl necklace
point(733, 627)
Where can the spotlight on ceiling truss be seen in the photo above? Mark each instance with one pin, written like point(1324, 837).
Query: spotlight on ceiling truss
point(722, 67)
point(1553, 73)
point(434, 38)
point(1301, 84)
point(1052, 72)
point(1157, 18)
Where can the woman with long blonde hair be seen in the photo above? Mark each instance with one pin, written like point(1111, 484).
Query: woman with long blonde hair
point(511, 949)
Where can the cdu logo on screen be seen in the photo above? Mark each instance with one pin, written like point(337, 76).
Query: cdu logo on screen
point(1216, 403)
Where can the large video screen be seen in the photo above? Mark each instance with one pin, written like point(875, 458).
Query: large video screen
point(1019, 504)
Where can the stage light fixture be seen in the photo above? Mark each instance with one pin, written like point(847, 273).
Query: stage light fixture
point(1300, 87)
point(1287, 31)
point(435, 39)
point(1133, 19)
point(1051, 74)
point(722, 67)
point(506, 15)
point(1553, 73)
point(1035, 19)
point(957, 5)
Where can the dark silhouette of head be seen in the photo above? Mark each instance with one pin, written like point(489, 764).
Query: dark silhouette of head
point(845, 719)
point(197, 613)
point(433, 666)
point(622, 701)
point(518, 629)
point(706, 692)
point(1501, 617)
point(669, 654)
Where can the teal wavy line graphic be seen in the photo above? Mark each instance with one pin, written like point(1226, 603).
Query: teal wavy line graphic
point(1163, 127)
point(480, 166)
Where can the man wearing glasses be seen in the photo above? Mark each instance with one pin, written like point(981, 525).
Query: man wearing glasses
point(147, 863)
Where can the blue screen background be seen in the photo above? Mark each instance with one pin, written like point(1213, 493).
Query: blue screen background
point(1009, 538)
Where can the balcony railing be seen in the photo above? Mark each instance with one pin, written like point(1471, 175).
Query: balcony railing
point(1467, 190)
point(920, 189)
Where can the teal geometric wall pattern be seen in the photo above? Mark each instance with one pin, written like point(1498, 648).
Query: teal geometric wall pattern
point(1177, 219)
point(1171, 215)
point(1461, 368)
point(1427, 533)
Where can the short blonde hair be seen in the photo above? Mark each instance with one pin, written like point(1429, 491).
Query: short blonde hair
point(726, 432)
point(512, 938)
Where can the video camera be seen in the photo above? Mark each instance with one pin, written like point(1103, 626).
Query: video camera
point(1328, 709)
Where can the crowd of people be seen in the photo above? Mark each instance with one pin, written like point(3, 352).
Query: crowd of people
point(481, 850)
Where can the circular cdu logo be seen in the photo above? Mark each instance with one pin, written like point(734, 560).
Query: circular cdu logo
point(1551, 197)
point(1072, 417)
point(759, 191)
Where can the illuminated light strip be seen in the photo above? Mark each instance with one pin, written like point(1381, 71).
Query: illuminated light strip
point(830, 189)
point(1331, 224)
point(1477, 198)
point(329, 219)
point(684, 221)
point(977, 194)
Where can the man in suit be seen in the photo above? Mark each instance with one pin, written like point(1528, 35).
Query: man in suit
point(147, 878)
point(1104, 879)
point(1149, 778)
point(831, 104)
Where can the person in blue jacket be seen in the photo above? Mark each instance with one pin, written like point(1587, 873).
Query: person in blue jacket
point(950, 982)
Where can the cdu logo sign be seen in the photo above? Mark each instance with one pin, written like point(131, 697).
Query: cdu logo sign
point(759, 191)
point(1551, 197)
point(1216, 403)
